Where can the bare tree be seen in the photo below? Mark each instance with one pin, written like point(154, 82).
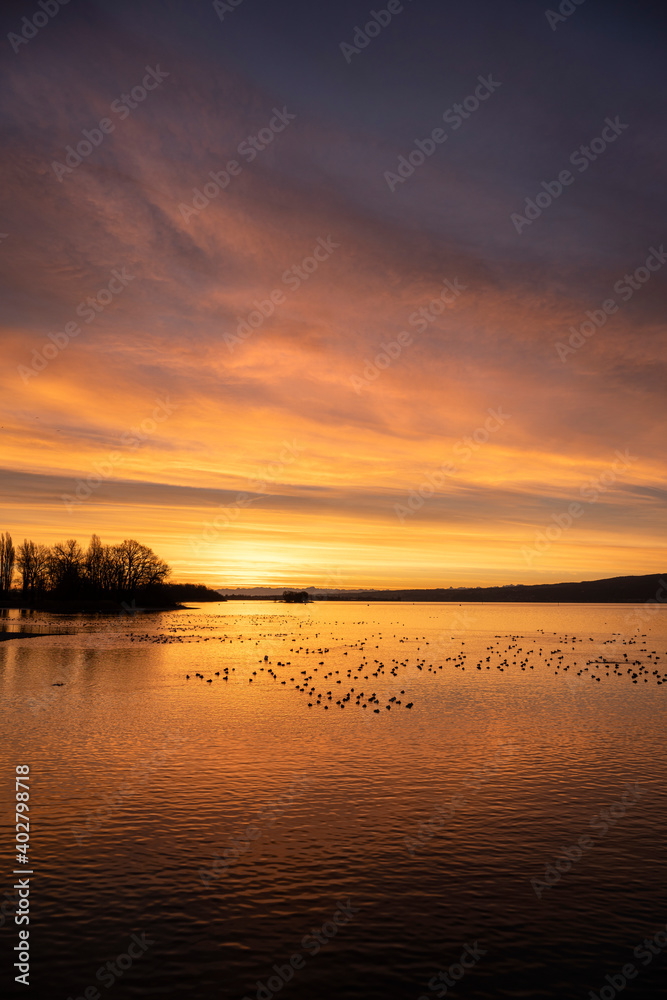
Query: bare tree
point(41, 568)
point(32, 562)
point(138, 566)
point(7, 557)
point(94, 563)
point(66, 566)
point(65, 569)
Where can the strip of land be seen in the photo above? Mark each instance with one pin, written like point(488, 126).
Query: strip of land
point(4, 636)
point(616, 590)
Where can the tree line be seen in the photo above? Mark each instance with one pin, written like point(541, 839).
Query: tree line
point(296, 597)
point(67, 570)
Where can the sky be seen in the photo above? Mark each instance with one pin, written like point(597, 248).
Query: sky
point(299, 303)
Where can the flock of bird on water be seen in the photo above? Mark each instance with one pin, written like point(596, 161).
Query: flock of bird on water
point(501, 657)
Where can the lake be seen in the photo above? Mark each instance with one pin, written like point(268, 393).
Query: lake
point(293, 828)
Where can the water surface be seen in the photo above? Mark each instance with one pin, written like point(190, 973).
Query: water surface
point(155, 799)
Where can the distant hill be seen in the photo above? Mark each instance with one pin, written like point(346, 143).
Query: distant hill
point(616, 590)
point(276, 592)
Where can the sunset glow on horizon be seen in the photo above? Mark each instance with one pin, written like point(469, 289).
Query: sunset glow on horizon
point(296, 375)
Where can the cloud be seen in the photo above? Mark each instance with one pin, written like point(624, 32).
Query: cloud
point(194, 281)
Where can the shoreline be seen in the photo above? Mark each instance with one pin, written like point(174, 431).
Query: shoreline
point(4, 636)
point(82, 609)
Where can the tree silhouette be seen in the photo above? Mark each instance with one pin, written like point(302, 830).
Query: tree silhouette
point(65, 571)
